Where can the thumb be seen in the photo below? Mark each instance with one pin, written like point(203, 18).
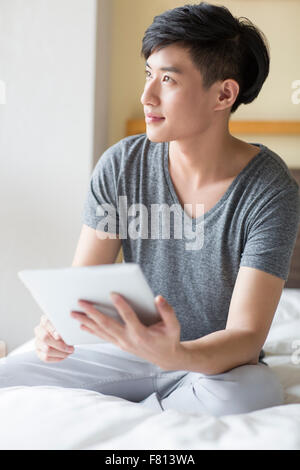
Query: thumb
point(166, 310)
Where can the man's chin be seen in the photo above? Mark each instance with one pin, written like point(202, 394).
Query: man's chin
point(156, 138)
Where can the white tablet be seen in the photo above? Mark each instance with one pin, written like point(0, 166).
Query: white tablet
point(57, 292)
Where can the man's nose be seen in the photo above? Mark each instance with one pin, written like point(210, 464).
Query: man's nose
point(150, 96)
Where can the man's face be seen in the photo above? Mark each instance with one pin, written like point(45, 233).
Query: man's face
point(178, 97)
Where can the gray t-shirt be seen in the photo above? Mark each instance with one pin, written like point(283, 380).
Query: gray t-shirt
point(255, 223)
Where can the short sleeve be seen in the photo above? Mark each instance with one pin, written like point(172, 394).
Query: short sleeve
point(272, 234)
point(100, 208)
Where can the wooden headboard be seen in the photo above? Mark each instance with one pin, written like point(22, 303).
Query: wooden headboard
point(138, 126)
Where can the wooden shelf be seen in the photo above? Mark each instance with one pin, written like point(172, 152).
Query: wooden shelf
point(138, 126)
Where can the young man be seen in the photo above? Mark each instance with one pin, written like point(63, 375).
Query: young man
point(220, 293)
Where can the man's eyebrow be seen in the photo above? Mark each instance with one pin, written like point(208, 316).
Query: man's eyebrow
point(167, 69)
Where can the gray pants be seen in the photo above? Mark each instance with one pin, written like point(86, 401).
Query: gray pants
point(106, 369)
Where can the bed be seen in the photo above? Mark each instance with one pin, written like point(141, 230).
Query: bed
point(77, 419)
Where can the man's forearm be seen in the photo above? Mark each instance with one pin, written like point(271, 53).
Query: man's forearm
point(218, 352)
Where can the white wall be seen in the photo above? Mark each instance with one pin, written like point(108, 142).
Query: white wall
point(48, 63)
point(102, 77)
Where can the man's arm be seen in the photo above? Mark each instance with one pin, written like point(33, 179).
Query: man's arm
point(92, 250)
point(253, 304)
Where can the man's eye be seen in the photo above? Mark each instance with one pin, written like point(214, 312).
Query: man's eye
point(165, 76)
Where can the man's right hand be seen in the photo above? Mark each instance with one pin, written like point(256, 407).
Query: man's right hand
point(49, 345)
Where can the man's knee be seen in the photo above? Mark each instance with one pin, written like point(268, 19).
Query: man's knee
point(240, 390)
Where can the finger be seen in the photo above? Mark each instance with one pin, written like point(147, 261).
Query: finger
point(94, 328)
point(84, 319)
point(50, 352)
point(101, 333)
point(46, 358)
point(49, 327)
point(43, 336)
point(166, 311)
point(48, 346)
point(103, 321)
point(126, 312)
point(45, 351)
point(57, 343)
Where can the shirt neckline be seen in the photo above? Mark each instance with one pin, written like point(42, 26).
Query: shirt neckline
point(225, 196)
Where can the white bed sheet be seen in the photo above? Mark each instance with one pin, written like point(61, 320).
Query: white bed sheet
point(58, 418)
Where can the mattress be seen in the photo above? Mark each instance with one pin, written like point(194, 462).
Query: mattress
point(76, 419)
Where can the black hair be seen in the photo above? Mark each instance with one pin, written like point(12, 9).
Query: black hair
point(220, 45)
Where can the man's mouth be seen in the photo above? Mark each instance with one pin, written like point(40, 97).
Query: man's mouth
point(150, 118)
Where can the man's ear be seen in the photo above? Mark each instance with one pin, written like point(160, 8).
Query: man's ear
point(228, 92)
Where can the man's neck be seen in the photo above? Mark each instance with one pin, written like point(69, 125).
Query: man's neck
point(206, 160)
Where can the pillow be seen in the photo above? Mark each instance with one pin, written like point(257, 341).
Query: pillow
point(284, 334)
